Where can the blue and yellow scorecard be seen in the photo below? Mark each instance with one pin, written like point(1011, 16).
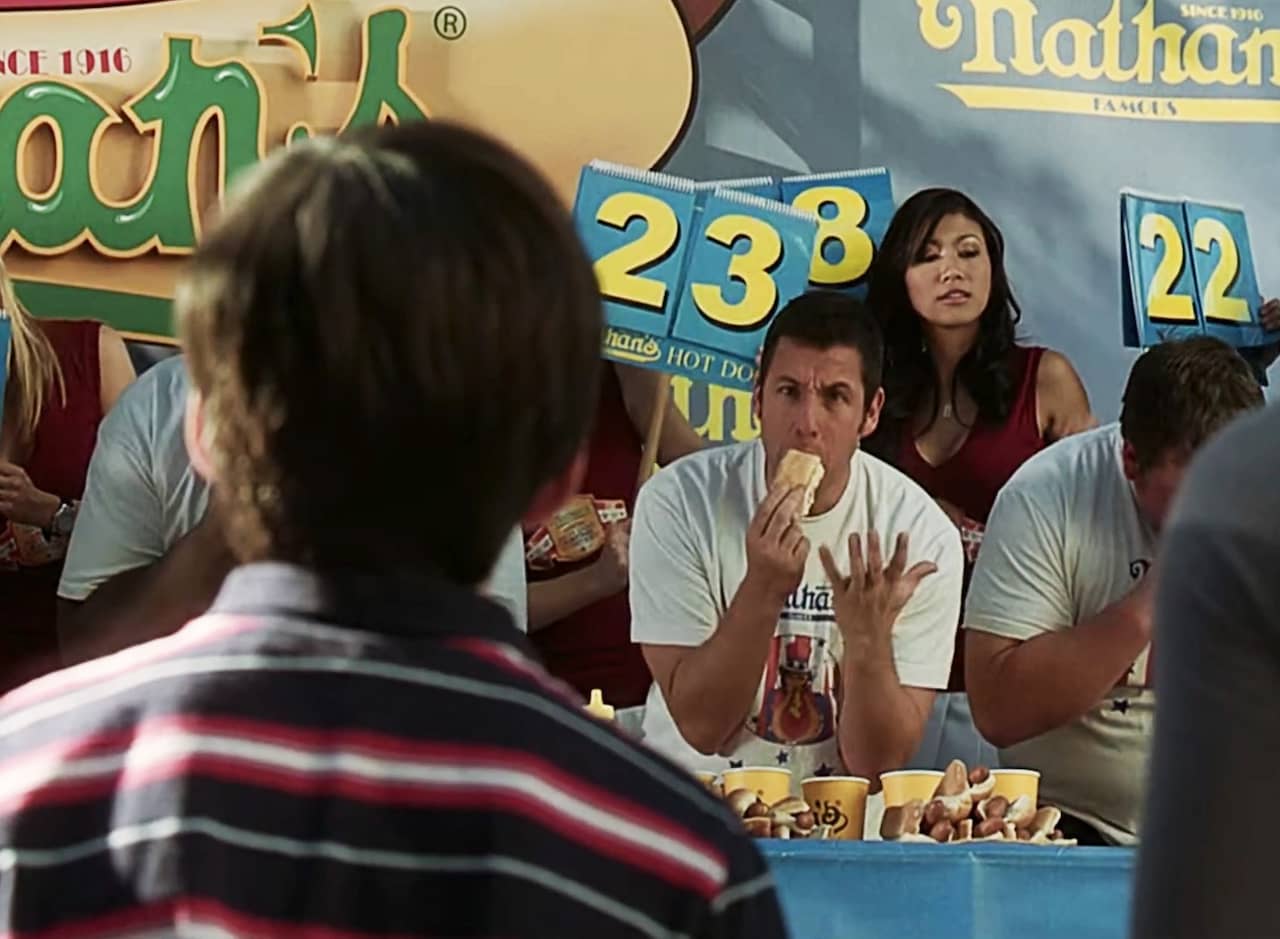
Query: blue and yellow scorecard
point(854, 209)
point(1186, 269)
point(691, 277)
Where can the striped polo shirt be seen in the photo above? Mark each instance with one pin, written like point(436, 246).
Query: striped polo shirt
point(343, 757)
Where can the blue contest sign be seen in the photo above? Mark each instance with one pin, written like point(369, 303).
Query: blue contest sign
point(692, 273)
point(854, 208)
point(1186, 269)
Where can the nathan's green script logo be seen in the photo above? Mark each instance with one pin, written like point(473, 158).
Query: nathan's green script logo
point(174, 111)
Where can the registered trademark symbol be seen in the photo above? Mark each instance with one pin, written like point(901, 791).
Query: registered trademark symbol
point(450, 22)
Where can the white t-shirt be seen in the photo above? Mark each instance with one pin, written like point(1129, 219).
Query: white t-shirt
point(1064, 541)
point(688, 558)
point(142, 495)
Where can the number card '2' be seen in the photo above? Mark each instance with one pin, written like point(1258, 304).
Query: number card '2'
point(691, 277)
point(1186, 269)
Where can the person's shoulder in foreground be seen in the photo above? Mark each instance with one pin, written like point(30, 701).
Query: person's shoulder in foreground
point(385, 756)
point(1218, 668)
point(353, 743)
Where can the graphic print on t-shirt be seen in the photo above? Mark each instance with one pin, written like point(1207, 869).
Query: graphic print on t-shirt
point(798, 702)
point(1140, 674)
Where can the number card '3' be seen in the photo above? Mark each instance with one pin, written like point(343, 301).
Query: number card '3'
point(751, 256)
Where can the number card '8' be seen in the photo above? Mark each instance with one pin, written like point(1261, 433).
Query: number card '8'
point(854, 210)
point(1189, 270)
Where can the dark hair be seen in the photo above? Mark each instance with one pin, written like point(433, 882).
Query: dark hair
point(821, 319)
point(396, 334)
point(1180, 393)
point(909, 373)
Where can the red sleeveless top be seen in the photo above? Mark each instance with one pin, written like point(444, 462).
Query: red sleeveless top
point(991, 453)
point(592, 647)
point(59, 460)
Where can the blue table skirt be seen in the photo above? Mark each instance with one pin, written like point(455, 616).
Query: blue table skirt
point(878, 890)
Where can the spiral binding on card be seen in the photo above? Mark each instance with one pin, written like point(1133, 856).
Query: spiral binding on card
point(634, 174)
point(1145, 194)
point(734, 183)
point(778, 208)
point(836, 174)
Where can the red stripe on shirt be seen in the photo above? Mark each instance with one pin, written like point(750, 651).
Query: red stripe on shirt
point(465, 794)
point(199, 632)
point(191, 911)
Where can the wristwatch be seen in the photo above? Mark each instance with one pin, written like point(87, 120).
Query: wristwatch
point(63, 520)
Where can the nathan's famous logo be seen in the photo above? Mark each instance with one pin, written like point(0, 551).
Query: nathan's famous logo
point(121, 126)
point(810, 603)
point(1211, 47)
point(633, 347)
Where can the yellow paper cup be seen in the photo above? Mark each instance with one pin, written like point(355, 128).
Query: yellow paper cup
point(770, 783)
point(839, 801)
point(1012, 783)
point(903, 785)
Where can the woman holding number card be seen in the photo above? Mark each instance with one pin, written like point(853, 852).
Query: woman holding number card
point(965, 403)
point(62, 377)
point(579, 612)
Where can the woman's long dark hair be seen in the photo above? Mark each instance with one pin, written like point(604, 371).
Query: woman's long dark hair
point(909, 375)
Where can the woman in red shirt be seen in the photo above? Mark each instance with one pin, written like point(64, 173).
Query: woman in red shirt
point(965, 403)
point(62, 377)
point(579, 613)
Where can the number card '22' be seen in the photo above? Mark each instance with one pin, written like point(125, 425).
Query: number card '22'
point(690, 276)
point(1187, 269)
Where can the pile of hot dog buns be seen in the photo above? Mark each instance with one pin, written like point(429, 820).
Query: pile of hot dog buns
point(964, 807)
point(790, 818)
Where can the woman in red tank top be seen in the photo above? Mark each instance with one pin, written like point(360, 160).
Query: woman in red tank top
point(62, 376)
point(965, 404)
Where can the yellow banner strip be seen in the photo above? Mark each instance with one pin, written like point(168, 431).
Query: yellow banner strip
point(1191, 110)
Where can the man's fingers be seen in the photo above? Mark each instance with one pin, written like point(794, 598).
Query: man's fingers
point(919, 572)
point(773, 498)
point(786, 512)
point(875, 559)
point(828, 560)
point(898, 563)
point(801, 551)
point(791, 536)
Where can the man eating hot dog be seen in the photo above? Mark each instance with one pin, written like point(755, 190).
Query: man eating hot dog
point(796, 598)
point(1059, 653)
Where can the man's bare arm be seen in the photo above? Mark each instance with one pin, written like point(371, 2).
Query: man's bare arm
point(146, 602)
point(881, 721)
point(1022, 689)
point(709, 688)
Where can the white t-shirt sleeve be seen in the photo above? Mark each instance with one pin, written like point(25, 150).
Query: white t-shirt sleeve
point(924, 636)
point(1019, 588)
point(118, 527)
point(506, 582)
point(672, 599)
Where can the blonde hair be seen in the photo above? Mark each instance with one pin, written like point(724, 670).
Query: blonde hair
point(31, 359)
